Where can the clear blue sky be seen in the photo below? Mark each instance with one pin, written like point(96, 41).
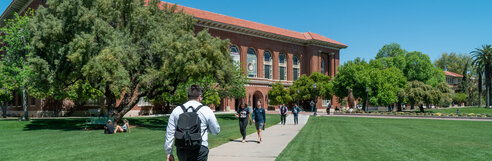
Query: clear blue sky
point(429, 26)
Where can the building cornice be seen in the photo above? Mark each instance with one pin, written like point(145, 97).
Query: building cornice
point(266, 35)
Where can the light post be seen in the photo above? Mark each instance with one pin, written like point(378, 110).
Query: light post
point(315, 99)
point(367, 99)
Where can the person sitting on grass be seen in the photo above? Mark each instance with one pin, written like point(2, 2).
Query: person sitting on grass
point(124, 128)
point(109, 128)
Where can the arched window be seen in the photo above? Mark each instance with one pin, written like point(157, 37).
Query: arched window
point(282, 67)
point(296, 65)
point(251, 63)
point(235, 54)
point(322, 66)
point(267, 64)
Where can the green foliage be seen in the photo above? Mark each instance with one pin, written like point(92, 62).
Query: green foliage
point(124, 49)
point(14, 72)
point(279, 95)
point(352, 75)
point(482, 61)
point(391, 55)
point(446, 94)
point(418, 93)
point(384, 83)
point(419, 67)
point(460, 97)
point(304, 84)
point(454, 62)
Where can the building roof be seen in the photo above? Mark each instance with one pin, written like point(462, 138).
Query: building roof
point(20, 5)
point(14, 6)
point(448, 73)
point(206, 15)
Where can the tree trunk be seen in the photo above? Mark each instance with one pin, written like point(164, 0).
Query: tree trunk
point(421, 108)
point(24, 104)
point(399, 107)
point(4, 109)
point(480, 89)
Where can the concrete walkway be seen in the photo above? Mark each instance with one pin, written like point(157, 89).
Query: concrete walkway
point(274, 140)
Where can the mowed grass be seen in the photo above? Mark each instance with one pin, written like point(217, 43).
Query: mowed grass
point(345, 138)
point(65, 139)
point(475, 110)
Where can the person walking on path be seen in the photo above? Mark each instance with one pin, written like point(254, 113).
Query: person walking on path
point(295, 112)
point(283, 113)
point(312, 105)
point(259, 119)
point(243, 115)
point(184, 130)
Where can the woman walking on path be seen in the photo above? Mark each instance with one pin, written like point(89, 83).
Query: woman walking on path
point(243, 115)
point(259, 119)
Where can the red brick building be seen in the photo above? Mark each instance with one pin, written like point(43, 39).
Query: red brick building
point(269, 54)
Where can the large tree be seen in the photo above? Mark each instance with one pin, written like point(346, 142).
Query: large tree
point(279, 95)
point(306, 90)
point(482, 60)
point(13, 67)
point(454, 62)
point(419, 68)
point(419, 93)
point(385, 85)
point(353, 75)
point(391, 55)
point(125, 49)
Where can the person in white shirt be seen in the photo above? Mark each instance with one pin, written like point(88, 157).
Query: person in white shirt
point(208, 121)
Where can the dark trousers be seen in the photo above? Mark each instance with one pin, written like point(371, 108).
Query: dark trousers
point(282, 118)
point(200, 154)
point(243, 123)
point(296, 119)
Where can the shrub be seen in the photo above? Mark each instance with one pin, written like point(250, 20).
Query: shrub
point(437, 114)
point(471, 115)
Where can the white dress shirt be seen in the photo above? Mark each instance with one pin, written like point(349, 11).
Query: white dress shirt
point(206, 115)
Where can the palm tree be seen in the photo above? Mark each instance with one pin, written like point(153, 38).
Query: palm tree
point(483, 61)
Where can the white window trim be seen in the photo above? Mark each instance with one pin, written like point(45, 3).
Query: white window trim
point(298, 67)
point(269, 63)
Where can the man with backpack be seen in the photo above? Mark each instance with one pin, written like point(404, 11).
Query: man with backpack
point(188, 125)
point(295, 112)
point(283, 113)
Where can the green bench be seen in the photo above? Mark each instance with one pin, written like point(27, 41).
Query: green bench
point(96, 121)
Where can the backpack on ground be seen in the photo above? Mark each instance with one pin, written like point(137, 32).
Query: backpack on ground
point(188, 130)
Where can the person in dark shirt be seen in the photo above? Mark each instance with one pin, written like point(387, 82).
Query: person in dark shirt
point(259, 119)
point(295, 112)
point(243, 115)
point(109, 128)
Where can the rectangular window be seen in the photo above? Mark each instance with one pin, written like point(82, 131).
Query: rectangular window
point(144, 102)
point(267, 71)
point(296, 74)
point(326, 102)
point(282, 73)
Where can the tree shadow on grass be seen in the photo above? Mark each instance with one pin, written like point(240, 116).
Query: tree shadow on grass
point(56, 124)
point(226, 117)
point(155, 123)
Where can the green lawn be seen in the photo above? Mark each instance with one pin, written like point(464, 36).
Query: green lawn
point(475, 110)
point(345, 138)
point(64, 139)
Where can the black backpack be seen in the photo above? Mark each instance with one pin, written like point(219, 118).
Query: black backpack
point(188, 130)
